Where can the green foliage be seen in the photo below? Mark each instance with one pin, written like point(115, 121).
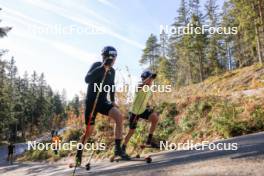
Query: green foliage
point(63, 153)
point(187, 124)
point(194, 114)
point(4, 31)
point(72, 135)
point(226, 122)
point(151, 53)
point(218, 116)
point(169, 109)
point(166, 125)
point(43, 155)
point(165, 128)
point(257, 120)
point(165, 71)
point(28, 104)
point(140, 135)
point(193, 57)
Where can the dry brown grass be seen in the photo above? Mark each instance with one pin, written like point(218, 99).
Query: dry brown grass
point(241, 89)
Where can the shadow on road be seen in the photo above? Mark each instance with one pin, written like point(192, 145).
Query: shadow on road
point(30, 169)
point(251, 145)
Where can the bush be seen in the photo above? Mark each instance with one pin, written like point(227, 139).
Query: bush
point(187, 124)
point(194, 113)
point(256, 122)
point(165, 128)
point(63, 153)
point(37, 155)
point(226, 122)
point(168, 108)
point(72, 135)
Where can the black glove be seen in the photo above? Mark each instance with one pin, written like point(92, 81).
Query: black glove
point(154, 75)
point(108, 62)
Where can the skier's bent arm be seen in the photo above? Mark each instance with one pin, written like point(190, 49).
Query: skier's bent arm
point(112, 92)
point(94, 73)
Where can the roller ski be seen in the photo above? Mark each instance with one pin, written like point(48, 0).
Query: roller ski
point(122, 156)
point(147, 159)
point(151, 144)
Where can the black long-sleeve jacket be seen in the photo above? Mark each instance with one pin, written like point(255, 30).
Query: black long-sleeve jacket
point(95, 76)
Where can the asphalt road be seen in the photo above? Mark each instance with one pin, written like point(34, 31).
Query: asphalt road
point(249, 145)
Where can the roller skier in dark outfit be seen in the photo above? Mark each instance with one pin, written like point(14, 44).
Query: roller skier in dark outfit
point(11, 148)
point(98, 73)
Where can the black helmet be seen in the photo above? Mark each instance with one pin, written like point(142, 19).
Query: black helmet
point(109, 51)
point(148, 74)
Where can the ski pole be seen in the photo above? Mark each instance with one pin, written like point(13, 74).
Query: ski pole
point(87, 166)
point(90, 118)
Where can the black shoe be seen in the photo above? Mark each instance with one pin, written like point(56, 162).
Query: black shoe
point(123, 148)
point(122, 154)
point(152, 145)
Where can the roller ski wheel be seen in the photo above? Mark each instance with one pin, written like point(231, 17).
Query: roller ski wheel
point(88, 166)
point(112, 159)
point(71, 165)
point(148, 159)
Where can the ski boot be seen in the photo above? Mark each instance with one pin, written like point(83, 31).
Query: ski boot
point(152, 144)
point(121, 152)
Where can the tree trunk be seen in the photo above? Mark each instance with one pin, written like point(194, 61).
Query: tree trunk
point(258, 45)
point(16, 131)
point(31, 125)
point(201, 67)
point(190, 71)
point(261, 11)
point(23, 128)
point(229, 57)
point(260, 5)
point(257, 35)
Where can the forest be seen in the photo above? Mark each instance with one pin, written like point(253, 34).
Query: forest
point(187, 59)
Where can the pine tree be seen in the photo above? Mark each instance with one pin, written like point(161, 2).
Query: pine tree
point(248, 45)
point(12, 94)
point(164, 71)
point(214, 47)
point(164, 44)
point(179, 48)
point(4, 30)
point(151, 53)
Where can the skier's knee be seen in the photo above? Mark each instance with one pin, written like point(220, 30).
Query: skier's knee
point(116, 115)
point(119, 120)
point(154, 117)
